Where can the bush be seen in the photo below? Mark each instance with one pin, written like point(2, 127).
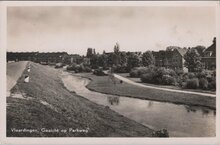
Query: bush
point(214, 73)
point(203, 83)
point(147, 78)
point(121, 69)
point(191, 75)
point(87, 69)
point(168, 80)
point(155, 75)
point(59, 65)
point(71, 67)
point(134, 73)
point(79, 68)
point(185, 77)
point(192, 83)
point(179, 72)
point(99, 72)
point(212, 84)
point(138, 71)
point(202, 74)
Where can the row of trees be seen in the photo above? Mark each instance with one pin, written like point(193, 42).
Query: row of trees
point(125, 61)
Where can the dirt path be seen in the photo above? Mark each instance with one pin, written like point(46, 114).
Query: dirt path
point(159, 88)
point(14, 71)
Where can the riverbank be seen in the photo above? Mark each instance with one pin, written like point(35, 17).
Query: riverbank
point(104, 85)
point(45, 108)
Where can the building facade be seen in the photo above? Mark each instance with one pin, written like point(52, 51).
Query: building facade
point(209, 56)
point(53, 57)
point(171, 59)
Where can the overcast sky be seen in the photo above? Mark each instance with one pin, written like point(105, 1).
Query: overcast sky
point(74, 29)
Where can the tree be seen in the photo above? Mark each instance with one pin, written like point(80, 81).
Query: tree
point(89, 53)
point(133, 61)
point(116, 48)
point(116, 56)
point(171, 48)
point(94, 61)
point(200, 49)
point(102, 60)
point(123, 59)
point(148, 58)
point(193, 60)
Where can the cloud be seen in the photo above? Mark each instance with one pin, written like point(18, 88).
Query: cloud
point(74, 29)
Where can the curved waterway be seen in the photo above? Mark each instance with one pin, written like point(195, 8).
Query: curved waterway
point(179, 120)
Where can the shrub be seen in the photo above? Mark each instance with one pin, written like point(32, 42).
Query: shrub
point(79, 68)
point(203, 83)
point(138, 71)
point(168, 80)
point(134, 73)
point(59, 65)
point(121, 69)
point(71, 67)
point(214, 73)
point(164, 71)
point(157, 75)
point(192, 83)
point(99, 72)
point(148, 78)
point(87, 69)
point(191, 75)
point(212, 84)
point(179, 72)
point(202, 74)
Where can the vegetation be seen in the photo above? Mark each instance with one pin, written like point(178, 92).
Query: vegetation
point(158, 75)
point(99, 72)
point(193, 60)
point(79, 68)
point(148, 58)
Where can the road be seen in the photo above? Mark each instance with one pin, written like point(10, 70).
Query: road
point(159, 88)
point(14, 71)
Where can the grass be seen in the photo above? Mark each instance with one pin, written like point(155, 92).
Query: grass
point(138, 80)
point(104, 85)
point(64, 110)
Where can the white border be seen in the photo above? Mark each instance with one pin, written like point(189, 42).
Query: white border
point(83, 140)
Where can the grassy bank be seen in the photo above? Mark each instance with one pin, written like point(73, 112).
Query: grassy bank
point(104, 84)
point(45, 108)
point(138, 80)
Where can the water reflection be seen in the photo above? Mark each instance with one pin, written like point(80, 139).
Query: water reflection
point(190, 108)
point(150, 104)
point(205, 111)
point(113, 100)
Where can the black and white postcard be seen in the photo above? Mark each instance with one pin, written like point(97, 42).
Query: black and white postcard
point(110, 72)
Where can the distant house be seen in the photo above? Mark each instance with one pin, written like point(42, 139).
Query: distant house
point(22, 56)
point(209, 56)
point(171, 59)
point(53, 57)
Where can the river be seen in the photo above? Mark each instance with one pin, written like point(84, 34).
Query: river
point(179, 120)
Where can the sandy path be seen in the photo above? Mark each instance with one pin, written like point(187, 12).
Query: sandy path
point(159, 88)
point(14, 71)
